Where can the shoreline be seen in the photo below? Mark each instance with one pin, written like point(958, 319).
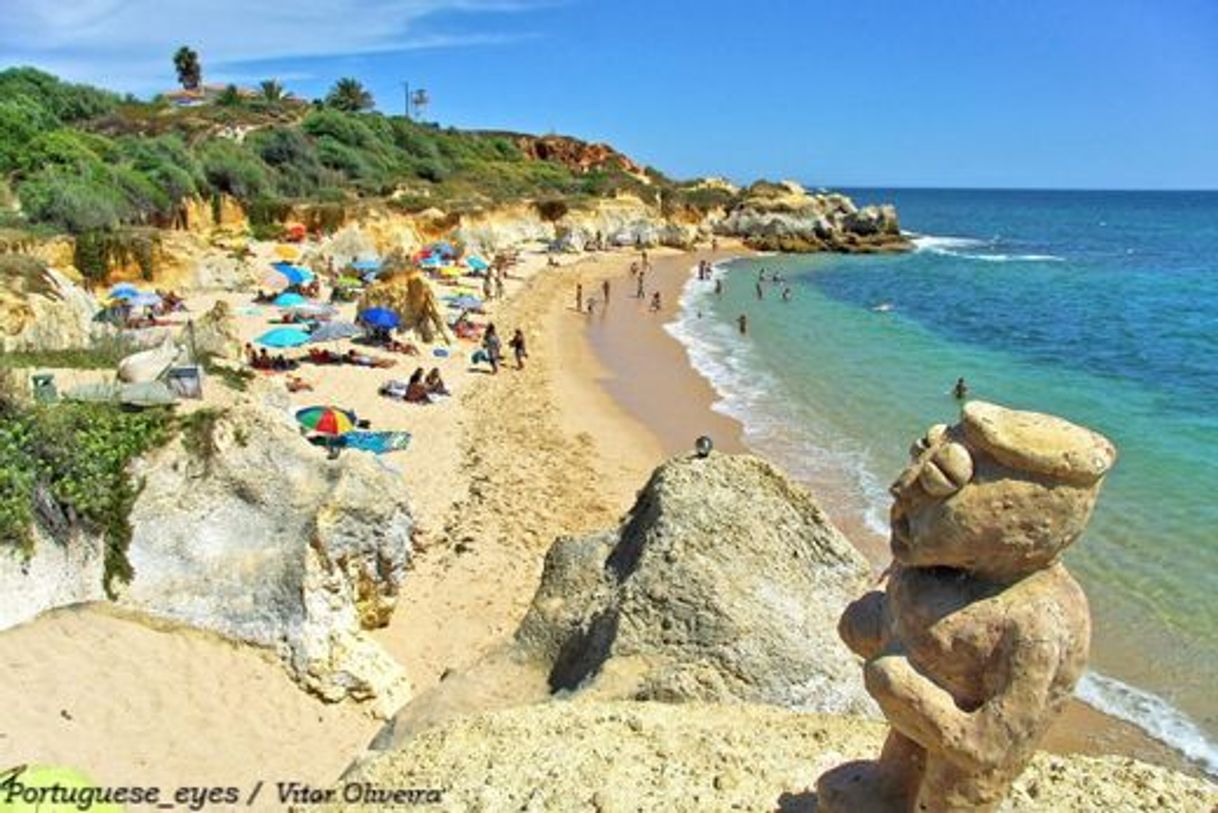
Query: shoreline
point(676, 403)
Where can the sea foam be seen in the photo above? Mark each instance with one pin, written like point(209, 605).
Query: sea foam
point(950, 247)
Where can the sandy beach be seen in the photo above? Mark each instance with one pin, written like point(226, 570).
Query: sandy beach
point(494, 473)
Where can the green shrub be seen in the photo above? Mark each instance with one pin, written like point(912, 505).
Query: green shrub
point(233, 170)
point(78, 455)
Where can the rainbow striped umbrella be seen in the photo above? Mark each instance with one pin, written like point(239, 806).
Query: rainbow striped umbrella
point(327, 420)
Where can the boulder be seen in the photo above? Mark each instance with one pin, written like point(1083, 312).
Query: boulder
point(214, 334)
point(245, 530)
point(724, 583)
point(47, 311)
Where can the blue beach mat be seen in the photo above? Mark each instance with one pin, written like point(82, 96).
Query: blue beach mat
point(377, 442)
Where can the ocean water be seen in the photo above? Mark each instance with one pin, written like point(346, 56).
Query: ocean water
point(1100, 307)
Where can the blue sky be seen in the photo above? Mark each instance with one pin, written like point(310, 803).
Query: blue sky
point(1006, 93)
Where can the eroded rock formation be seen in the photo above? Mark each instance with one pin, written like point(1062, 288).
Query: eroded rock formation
point(723, 584)
point(978, 640)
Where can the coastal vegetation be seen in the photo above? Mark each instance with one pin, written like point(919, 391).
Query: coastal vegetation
point(69, 463)
point(83, 160)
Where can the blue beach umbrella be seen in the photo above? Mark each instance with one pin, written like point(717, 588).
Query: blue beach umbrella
point(366, 265)
point(294, 273)
point(289, 301)
point(333, 331)
point(477, 263)
point(124, 290)
point(143, 300)
point(432, 261)
point(283, 337)
point(380, 317)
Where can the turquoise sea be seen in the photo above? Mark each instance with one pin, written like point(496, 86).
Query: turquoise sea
point(1101, 307)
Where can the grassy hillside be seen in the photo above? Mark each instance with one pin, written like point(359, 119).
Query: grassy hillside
point(80, 159)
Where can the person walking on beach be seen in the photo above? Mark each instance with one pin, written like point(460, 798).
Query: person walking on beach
point(518, 348)
point(498, 284)
point(579, 297)
point(605, 291)
point(639, 293)
point(743, 322)
point(655, 302)
point(490, 343)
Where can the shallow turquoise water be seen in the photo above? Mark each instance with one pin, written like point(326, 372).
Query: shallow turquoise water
point(1100, 307)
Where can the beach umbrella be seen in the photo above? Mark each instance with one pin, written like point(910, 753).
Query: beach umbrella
point(333, 331)
point(287, 252)
point(431, 261)
point(289, 301)
point(294, 273)
point(124, 290)
point(312, 309)
point(380, 317)
point(144, 300)
point(451, 272)
point(327, 420)
point(366, 265)
point(477, 263)
point(444, 248)
point(283, 337)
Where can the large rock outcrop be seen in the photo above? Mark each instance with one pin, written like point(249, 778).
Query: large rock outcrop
point(245, 530)
point(723, 584)
point(784, 217)
point(612, 757)
point(43, 309)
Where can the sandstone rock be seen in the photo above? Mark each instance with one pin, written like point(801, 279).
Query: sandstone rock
point(722, 584)
point(784, 217)
point(56, 314)
point(655, 757)
point(254, 535)
point(56, 573)
point(213, 334)
point(977, 642)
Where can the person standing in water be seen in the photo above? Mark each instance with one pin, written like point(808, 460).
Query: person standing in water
point(743, 322)
point(960, 390)
point(760, 293)
point(786, 294)
point(719, 287)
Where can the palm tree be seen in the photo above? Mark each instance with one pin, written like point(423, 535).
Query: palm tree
point(350, 96)
point(190, 72)
point(272, 91)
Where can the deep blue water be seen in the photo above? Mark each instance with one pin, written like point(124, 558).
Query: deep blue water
point(1098, 306)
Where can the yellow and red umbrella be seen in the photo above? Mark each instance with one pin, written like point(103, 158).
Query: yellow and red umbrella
point(326, 420)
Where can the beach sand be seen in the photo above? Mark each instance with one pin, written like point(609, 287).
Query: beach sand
point(494, 474)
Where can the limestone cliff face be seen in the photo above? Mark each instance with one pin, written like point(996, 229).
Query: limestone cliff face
point(258, 537)
point(723, 584)
point(250, 532)
point(55, 314)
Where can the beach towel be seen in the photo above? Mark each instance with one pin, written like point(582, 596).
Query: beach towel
point(377, 442)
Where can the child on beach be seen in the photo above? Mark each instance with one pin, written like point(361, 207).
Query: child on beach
point(655, 301)
point(518, 348)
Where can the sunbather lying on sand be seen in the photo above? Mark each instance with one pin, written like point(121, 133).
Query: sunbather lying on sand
point(434, 383)
point(297, 384)
point(362, 360)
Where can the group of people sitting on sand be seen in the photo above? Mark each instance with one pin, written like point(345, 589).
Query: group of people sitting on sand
point(260, 359)
point(420, 389)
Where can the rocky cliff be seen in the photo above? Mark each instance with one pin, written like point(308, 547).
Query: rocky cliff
point(244, 529)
